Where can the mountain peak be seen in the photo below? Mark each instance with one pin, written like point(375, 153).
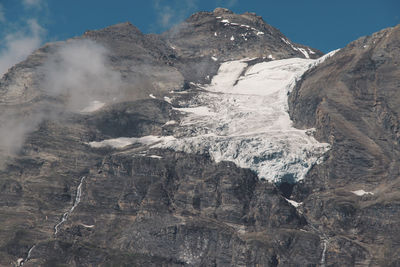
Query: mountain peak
point(221, 10)
point(226, 35)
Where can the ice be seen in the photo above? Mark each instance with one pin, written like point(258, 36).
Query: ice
point(242, 117)
point(93, 106)
point(361, 192)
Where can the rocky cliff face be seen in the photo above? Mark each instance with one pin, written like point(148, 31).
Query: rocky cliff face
point(352, 100)
point(113, 158)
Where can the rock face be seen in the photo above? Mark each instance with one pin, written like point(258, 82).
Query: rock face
point(352, 100)
point(228, 36)
point(66, 202)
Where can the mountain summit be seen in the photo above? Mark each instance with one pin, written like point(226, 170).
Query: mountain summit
point(230, 36)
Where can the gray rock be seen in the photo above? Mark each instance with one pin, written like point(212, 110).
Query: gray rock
point(352, 100)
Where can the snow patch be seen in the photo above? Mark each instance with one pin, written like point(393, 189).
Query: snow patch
point(301, 50)
point(304, 52)
point(311, 52)
point(167, 99)
point(155, 157)
point(87, 226)
point(170, 123)
point(232, 38)
point(214, 58)
point(294, 203)
point(122, 142)
point(152, 96)
point(361, 192)
point(271, 57)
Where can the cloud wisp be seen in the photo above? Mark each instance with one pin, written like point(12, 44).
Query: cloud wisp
point(20, 44)
point(79, 72)
point(170, 13)
point(76, 73)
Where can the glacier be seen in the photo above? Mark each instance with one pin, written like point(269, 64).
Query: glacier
point(242, 116)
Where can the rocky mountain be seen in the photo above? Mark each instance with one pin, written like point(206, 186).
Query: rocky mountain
point(217, 143)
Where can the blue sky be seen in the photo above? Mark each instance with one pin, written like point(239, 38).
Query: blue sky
point(325, 25)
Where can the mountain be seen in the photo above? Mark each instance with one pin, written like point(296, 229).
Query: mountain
point(217, 143)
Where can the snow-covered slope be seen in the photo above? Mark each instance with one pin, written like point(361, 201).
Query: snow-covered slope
point(242, 117)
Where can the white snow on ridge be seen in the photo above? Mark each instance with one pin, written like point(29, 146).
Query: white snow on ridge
point(243, 118)
point(294, 203)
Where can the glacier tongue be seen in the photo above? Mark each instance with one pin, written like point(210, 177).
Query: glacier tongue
point(242, 117)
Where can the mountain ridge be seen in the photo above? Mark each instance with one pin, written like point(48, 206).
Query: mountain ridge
point(66, 200)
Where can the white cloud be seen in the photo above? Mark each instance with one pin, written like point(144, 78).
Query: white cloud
point(32, 3)
point(20, 44)
point(173, 12)
point(79, 71)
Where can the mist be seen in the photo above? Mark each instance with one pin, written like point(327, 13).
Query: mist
point(18, 45)
point(79, 72)
point(75, 75)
